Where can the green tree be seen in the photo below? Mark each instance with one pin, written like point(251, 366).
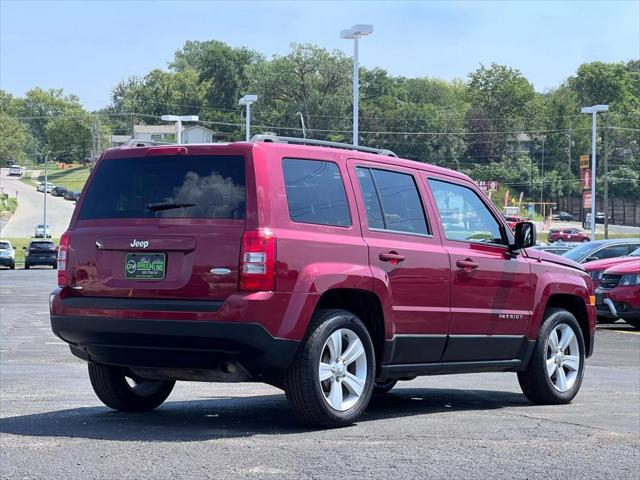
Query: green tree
point(502, 103)
point(309, 80)
point(221, 69)
point(15, 140)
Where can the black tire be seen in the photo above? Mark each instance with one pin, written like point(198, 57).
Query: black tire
point(303, 388)
point(12, 266)
point(384, 387)
point(110, 385)
point(26, 266)
point(534, 381)
point(634, 323)
point(585, 240)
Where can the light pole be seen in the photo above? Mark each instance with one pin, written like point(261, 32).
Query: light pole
point(304, 130)
point(247, 100)
point(354, 33)
point(179, 119)
point(593, 110)
point(46, 186)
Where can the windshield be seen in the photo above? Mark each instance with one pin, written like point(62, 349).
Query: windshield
point(171, 186)
point(635, 253)
point(5, 246)
point(578, 252)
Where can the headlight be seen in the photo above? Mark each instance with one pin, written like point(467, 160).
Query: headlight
point(596, 274)
point(633, 279)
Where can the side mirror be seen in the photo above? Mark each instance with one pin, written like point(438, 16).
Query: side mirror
point(591, 259)
point(525, 234)
point(24, 248)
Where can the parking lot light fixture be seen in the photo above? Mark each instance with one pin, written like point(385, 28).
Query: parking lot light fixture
point(179, 119)
point(354, 33)
point(593, 110)
point(247, 100)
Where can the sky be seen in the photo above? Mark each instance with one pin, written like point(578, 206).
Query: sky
point(87, 47)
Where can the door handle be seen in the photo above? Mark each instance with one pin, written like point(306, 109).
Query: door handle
point(467, 264)
point(392, 257)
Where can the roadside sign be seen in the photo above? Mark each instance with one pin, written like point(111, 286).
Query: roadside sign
point(488, 185)
point(585, 177)
point(586, 199)
point(584, 161)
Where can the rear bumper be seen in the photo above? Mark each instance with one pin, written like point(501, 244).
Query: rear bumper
point(174, 343)
point(41, 260)
point(6, 261)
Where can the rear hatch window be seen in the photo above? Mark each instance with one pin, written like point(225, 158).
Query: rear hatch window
point(156, 227)
point(42, 246)
point(167, 187)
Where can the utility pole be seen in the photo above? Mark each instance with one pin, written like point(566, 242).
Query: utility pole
point(96, 140)
point(606, 180)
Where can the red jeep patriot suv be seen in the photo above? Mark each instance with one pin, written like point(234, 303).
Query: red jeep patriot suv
point(327, 270)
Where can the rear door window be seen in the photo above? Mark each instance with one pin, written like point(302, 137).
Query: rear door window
point(167, 187)
point(315, 192)
point(392, 201)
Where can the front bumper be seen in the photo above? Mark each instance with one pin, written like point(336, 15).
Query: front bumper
point(174, 344)
point(619, 302)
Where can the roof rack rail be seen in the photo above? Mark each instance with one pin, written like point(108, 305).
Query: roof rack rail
point(134, 142)
point(321, 143)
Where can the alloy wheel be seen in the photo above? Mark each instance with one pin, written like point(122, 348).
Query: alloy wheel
point(342, 371)
point(563, 357)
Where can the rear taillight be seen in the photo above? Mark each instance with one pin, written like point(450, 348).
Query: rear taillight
point(258, 260)
point(63, 259)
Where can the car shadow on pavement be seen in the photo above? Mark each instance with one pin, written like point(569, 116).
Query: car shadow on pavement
point(228, 417)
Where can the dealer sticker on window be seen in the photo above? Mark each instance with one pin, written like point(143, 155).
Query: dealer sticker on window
point(145, 266)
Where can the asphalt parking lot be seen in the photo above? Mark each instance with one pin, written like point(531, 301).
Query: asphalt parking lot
point(462, 426)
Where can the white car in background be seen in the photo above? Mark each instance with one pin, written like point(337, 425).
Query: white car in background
point(41, 187)
point(7, 254)
point(40, 231)
point(15, 170)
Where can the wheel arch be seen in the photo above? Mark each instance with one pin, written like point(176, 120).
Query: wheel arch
point(365, 305)
point(576, 306)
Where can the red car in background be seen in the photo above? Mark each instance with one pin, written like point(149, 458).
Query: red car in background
point(568, 235)
point(618, 295)
point(513, 220)
point(596, 268)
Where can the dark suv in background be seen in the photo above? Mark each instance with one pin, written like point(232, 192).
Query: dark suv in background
point(40, 252)
point(327, 270)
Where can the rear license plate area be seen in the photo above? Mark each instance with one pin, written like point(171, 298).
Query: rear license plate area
point(145, 266)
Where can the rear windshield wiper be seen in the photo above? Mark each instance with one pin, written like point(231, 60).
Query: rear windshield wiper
point(155, 207)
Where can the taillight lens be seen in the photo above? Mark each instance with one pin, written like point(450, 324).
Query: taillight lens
point(258, 260)
point(63, 259)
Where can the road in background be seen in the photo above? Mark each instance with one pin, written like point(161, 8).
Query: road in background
point(474, 426)
point(30, 209)
point(613, 229)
